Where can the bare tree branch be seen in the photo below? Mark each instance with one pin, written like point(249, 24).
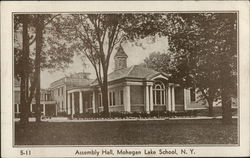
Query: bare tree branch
point(51, 19)
point(34, 39)
point(114, 35)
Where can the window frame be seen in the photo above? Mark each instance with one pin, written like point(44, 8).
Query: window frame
point(159, 93)
point(121, 97)
point(110, 99)
point(113, 98)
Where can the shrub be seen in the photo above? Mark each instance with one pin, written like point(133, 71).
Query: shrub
point(122, 115)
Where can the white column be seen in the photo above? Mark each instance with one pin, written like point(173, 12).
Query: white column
point(44, 109)
point(147, 98)
point(151, 107)
point(93, 102)
point(56, 110)
point(101, 100)
point(127, 105)
point(31, 107)
point(64, 97)
point(73, 104)
point(173, 99)
point(169, 99)
point(17, 108)
point(80, 102)
point(68, 104)
point(166, 98)
point(184, 97)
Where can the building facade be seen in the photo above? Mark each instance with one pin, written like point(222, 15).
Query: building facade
point(130, 89)
point(133, 89)
point(59, 89)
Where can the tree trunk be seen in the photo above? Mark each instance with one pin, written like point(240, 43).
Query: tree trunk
point(225, 92)
point(24, 113)
point(39, 31)
point(226, 108)
point(105, 94)
point(210, 108)
point(209, 98)
point(24, 108)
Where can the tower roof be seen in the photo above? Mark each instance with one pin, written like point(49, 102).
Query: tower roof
point(120, 52)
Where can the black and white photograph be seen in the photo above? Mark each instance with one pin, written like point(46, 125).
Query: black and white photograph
point(142, 82)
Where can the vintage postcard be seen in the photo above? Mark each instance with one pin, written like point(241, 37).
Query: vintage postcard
point(125, 79)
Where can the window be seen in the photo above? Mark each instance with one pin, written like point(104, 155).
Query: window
point(154, 97)
point(159, 93)
point(58, 91)
point(192, 94)
point(100, 100)
point(163, 97)
point(113, 98)
point(16, 108)
point(110, 98)
point(62, 91)
point(121, 96)
point(91, 103)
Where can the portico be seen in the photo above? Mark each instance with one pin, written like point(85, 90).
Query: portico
point(160, 94)
point(80, 100)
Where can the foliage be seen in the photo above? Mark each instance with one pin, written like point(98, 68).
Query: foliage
point(204, 48)
point(30, 50)
point(55, 54)
point(206, 44)
point(202, 42)
point(160, 62)
point(127, 115)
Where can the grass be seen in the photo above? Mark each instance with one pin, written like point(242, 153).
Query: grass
point(127, 133)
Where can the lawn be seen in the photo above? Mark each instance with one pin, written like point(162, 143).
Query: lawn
point(127, 133)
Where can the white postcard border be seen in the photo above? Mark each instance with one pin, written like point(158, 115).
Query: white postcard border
point(7, 8)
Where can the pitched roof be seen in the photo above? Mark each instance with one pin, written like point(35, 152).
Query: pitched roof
point(81, 83)
point(120, 52)
point(77, 79)
point(135, 71)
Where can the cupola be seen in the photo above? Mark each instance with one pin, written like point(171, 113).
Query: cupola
point(120, 59)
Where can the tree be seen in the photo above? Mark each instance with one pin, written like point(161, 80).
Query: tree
point(161, 62)
point(28, 65)
point(209, 45)
point(24, 19)
point(94, 36)
point(39, 37)
point(204, 46)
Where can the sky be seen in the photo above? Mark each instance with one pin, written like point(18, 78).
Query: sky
point(136, 55)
